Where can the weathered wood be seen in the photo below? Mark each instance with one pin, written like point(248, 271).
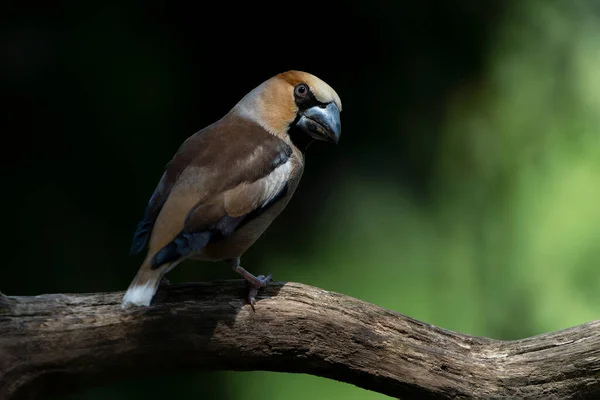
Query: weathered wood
point(55, 342)
point(5, 302)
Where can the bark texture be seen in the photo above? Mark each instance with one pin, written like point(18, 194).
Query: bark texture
point(63, 342)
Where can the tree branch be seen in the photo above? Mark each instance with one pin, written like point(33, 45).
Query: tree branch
point(58, 342)
point(5, 302)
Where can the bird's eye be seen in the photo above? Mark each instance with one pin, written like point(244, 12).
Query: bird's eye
point(301, 90)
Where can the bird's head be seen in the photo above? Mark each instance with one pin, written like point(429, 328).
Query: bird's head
point(295, 100)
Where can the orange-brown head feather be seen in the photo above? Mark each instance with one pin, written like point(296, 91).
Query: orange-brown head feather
point(272, 104)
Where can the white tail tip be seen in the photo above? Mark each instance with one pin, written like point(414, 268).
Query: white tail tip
point(139, 295)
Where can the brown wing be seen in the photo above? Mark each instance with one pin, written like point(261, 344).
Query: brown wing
point(238, 169)
point(222, 212)
point(180, 161)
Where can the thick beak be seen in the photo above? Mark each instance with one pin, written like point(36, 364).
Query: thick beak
point(322, 123)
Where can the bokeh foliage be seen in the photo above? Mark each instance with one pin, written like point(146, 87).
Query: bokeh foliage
point(464, 192)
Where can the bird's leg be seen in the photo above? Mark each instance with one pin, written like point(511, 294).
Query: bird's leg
point(256, 282)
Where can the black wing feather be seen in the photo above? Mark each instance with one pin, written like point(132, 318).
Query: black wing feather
point(144, 228)
point(181, 246)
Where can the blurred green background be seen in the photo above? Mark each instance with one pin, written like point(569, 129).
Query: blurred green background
point(464, 191)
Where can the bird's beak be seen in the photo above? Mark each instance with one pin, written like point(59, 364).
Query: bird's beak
point(322, 123)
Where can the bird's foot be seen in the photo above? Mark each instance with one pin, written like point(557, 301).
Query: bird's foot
point(255, 282)
point(261, 282)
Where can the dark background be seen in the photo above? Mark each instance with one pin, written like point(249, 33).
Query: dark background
point(435, 133)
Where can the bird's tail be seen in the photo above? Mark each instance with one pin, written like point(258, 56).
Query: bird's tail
point(145, 284)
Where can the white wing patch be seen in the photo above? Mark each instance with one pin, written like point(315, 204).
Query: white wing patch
point(275, 182)
point(251, 196)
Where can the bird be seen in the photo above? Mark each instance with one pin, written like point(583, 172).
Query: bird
point(228, 182)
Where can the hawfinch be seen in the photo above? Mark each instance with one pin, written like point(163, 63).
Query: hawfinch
point(228, 182)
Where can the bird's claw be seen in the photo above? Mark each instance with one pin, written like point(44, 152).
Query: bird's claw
point(261, 282)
